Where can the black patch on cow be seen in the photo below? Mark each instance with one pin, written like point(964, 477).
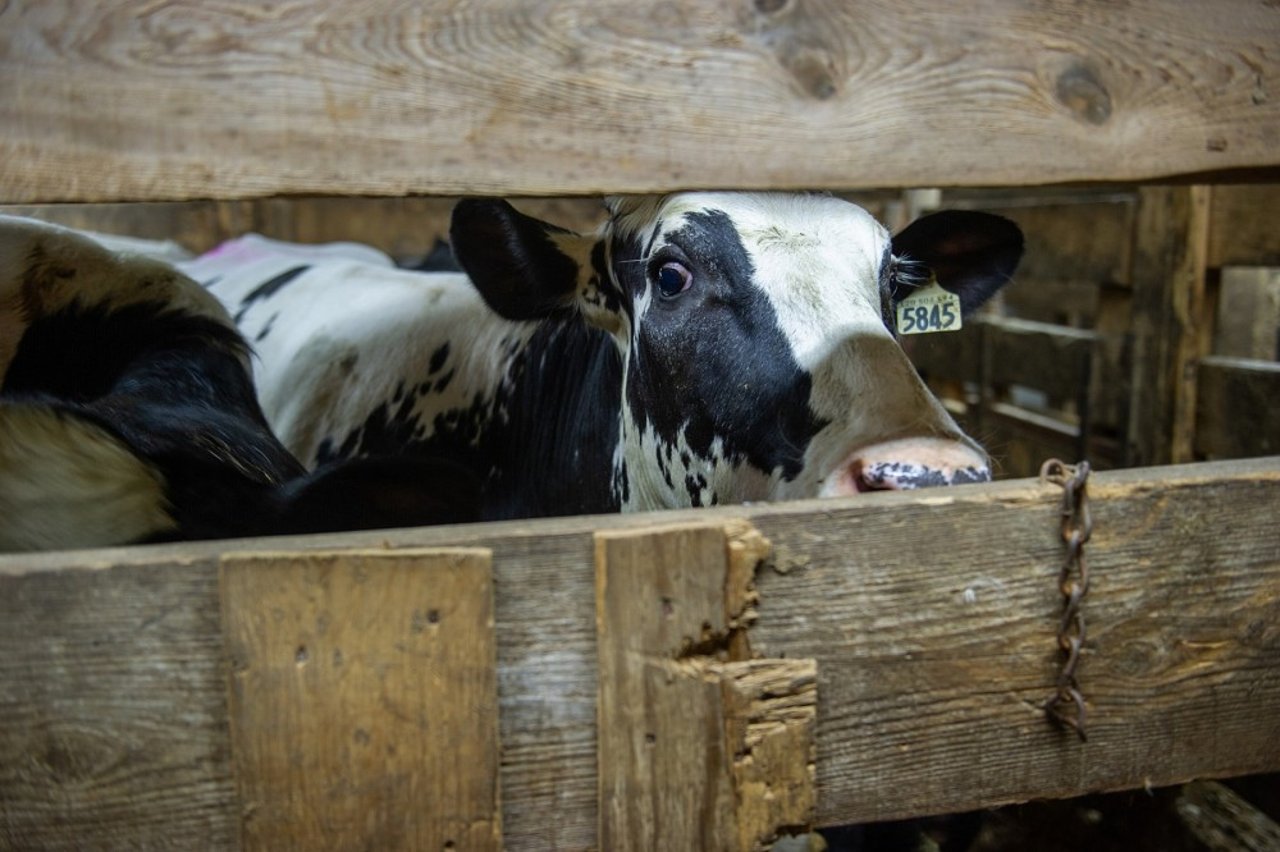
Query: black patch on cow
point(693, 485)
point(713, 362)
point(610, 298)
point(437, 359)
point(372, 493)
point(173, 388)
point(443, 381)
point(267, 289)
point(266, 329)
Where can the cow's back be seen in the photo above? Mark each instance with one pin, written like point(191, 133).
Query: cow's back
point(354, 356)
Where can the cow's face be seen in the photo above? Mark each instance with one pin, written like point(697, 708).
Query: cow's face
point(755, 332)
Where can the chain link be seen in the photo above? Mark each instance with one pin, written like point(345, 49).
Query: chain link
point(1066, 706)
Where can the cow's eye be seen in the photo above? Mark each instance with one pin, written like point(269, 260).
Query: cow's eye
point(673, 279)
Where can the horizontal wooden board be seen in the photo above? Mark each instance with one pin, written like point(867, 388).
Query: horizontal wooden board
point(931, 617)
point(133, 100)
point(1237, 414)
point(1242, 229)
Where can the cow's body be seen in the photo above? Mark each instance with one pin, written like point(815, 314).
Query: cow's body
point(128, 413)
point(700, 349)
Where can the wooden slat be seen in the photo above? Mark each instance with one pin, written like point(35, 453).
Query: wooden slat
point(1248, 314)
point(113, 719)
point(363, 699)
point(1170, 328)
point(1243, 230)
point(1072, 234)
point(1051, 358)
point(133, 100)
point(1237, 414)
point(931, 617)
point(699, 745)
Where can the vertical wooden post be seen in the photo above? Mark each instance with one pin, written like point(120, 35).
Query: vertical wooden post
point(363, 699)
point(1169, 334)
point(700, 747)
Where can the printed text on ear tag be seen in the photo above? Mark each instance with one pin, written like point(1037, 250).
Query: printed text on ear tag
point(929, 309)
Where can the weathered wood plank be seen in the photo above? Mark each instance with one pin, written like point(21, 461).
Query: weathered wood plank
point(1074, 235)
point(696, 740)
point(1243, 230)
point(1237, 414)
point(1170, 330)
point(1223, 821)
point(113, 719)
point(1248, 315)
point(931, 617)
point(363, 699)
point(107, 101)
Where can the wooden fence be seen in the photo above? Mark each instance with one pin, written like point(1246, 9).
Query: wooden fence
point(290, 693)
point(344, 691)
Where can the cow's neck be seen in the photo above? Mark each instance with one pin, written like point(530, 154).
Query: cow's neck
point(553, 453)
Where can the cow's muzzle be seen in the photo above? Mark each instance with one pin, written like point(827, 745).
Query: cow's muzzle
point(904, 464)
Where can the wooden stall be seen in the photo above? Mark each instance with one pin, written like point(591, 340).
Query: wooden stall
point(702, 679)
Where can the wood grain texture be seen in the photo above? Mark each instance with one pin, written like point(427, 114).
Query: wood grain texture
point(1237, 415)
point(699, 746)
point(1248, 313)
point(363, 699)
point(931, 617)
point(134, 100)
point(1243, 231)
point(1170, 327)
point(1223, 821)
point(113, 719)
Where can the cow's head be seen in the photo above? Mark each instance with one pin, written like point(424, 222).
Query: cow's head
point(756, 335)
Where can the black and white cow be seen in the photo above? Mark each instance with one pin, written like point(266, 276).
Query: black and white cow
point(701, 348)
point(128, 413)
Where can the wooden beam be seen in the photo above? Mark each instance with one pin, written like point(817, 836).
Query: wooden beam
point(134, 101)
point(931, 616)
point(1248, 313)
point(1170, 327)
point(1237, 415)
point(1243, 232)
point(364, 711)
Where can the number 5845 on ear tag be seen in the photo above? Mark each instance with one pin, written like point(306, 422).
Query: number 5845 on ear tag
point(929, 309)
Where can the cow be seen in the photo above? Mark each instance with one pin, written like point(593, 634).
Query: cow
point(128, 414)
point(699, 348)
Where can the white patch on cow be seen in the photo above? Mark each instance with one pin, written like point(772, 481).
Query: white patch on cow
point(66, 483)
point(44, 268)
point(356, 335)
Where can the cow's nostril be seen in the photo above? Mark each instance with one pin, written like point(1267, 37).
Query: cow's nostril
point(872, 477)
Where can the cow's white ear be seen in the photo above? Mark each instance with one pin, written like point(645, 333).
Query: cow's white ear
point(518, 263)
point(972, 254)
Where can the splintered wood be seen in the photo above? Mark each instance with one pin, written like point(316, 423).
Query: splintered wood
point(363, 699)
point(700, 746)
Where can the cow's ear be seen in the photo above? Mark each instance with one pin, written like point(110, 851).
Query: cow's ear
point(519, 264)
point(972, 254)
point(378, 493)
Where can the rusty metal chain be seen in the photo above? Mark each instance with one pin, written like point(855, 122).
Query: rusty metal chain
point(1066, 706)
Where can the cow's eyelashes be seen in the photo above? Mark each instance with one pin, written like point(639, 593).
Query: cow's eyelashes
point(672, 278)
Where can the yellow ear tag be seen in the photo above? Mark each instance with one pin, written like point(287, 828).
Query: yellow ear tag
point(929, 309)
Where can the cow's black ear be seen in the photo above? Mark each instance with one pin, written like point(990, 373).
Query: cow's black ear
point(972, 254)
point(511, 258)
point(378, 493)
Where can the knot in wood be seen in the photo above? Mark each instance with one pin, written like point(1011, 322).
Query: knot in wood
point(1080, 91)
